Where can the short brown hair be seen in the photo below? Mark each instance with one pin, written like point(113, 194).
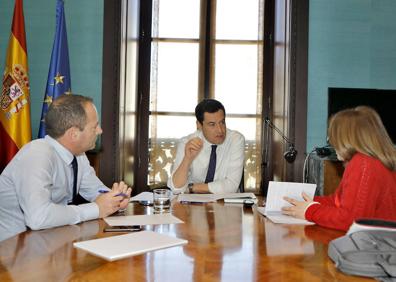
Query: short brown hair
point(65, 112)
point(361, 130)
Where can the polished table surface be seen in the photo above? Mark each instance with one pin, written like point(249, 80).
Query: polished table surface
point(226, 242)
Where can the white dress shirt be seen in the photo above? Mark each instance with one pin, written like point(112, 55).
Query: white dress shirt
point(37, 185)
point(229, 164)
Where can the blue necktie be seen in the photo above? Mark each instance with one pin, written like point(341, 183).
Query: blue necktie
point(212, 165)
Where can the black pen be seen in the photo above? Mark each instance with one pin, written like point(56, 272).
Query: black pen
point(191, 202)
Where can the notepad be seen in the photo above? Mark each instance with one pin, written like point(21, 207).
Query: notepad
point(123, 246)
point(275, 201)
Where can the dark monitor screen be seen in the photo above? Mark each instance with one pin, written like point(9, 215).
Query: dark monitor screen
point(383, 101)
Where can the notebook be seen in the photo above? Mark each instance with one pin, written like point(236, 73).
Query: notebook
point(123, 246)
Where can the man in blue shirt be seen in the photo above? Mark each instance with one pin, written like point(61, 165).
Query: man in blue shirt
point(39, 187)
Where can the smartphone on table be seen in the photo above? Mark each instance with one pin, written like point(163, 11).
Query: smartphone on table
point(123, 228)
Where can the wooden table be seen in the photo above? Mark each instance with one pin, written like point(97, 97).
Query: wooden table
point(226, 243)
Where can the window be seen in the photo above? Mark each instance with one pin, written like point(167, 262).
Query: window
point(205, 48)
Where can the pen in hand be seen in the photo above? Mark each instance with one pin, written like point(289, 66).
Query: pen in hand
point(119, 194)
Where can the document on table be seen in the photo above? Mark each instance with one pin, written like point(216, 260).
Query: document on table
point(239, 198)
point(207, 198)
point(278, 217)
point(146, 196)
point(118, 247)
point(275, 201)
point(151, 219)
point(197, 198)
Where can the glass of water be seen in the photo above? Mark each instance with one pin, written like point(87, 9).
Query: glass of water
point(162, 200)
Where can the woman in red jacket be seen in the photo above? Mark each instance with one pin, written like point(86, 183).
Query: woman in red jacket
point(368, 186)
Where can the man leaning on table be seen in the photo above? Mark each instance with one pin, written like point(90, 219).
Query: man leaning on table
point(45, 183)
point(211, 159)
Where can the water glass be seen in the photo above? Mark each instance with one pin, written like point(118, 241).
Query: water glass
point(162, 200)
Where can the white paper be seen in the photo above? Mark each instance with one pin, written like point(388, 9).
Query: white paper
point(275, 201)
point(151, 219)
point(118, 247)
point(207, 198)
point(279, 217)
point(278, 190)
point(144, 196)
point(239, 196)
point(197, 198)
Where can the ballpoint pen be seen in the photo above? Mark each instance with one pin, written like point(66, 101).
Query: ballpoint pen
point(119, 194)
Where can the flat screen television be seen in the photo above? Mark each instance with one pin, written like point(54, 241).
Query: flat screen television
point(383, 101)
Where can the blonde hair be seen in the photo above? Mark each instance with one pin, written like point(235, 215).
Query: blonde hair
point(361, 130)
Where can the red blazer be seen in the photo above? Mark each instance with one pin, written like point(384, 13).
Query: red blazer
point(367, 190)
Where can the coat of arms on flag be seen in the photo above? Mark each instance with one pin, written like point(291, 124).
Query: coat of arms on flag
point(15, 129)
point(15, 85)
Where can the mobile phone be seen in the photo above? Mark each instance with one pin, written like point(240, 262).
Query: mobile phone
point(122, 228)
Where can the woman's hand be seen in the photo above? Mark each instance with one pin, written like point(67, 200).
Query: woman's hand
point(297, 208)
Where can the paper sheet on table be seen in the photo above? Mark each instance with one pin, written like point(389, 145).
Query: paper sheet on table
point(146, 196)
point(239, 198)
point(197, 198)
point(278, 217)
point(247, 195)
point(118, 247)
point(151, 219)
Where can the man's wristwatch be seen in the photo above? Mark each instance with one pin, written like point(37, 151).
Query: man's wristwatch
point(190, 188)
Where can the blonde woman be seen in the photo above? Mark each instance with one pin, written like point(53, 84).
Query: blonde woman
point(368, 186)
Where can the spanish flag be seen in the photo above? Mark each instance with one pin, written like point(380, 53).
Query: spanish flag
point(15, 128)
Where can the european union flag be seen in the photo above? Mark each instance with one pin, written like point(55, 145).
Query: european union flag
point(58, 81)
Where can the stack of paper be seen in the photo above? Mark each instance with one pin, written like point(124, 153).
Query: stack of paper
point(118, 247)
point(240, 198)
point(207, 198)
point(275, 201)
point(196, 198)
